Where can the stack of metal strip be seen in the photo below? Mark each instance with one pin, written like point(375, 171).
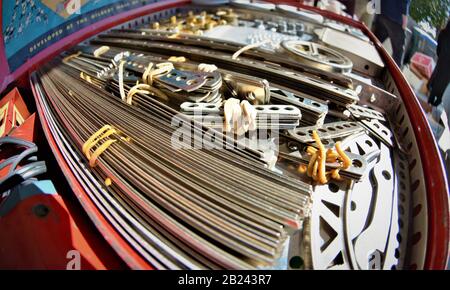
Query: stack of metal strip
point(204, 104)
point(277, 117)
point(170, 204)
point(317, 87)
point(181, 206)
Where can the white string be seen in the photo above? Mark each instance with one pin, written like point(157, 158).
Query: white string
point(250, 46)
point(121, 88)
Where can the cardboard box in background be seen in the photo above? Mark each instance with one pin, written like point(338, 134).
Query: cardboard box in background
point(424, 64)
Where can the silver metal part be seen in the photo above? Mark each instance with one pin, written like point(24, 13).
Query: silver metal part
point(347, 29)
point(282, 111)
point(370, 245)
point(382, 132)
point(200, 108)
point(268, 117)
point(177, 80)
point(360, 112)
point(328, 248)
point(313, 112)
point(327, 131)
point(363, 54)
point(317, 55)
point(256, 90)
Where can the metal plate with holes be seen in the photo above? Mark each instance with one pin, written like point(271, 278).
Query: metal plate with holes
point(360, 112)
point(138, 62)
point(364, 146)
point(213, 81)
point(300, 100)
point(216, 122)
point(396, 252)
point(282, 111)
point(317, 55)
point(177, 80)
point(380, 131)
point(327, 235)
point(413, 209)
point(313, 112)
point(349, 228)
point(327, 131)
point(200, 108)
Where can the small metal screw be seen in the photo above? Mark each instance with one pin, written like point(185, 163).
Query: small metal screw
point(41, 210)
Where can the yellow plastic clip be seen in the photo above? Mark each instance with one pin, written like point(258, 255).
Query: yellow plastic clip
point(70, 57)
point(85, 77)
point(95, 138)
point(102, 134)
point(177, 59)
point(99, 151)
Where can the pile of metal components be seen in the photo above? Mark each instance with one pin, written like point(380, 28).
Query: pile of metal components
point(257, 82)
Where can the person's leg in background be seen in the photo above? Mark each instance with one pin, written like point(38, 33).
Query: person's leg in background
point(398, 38)
point(363, 14)
point(384, 28)
point(380, 29)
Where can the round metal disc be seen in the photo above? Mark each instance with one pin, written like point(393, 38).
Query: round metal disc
point(317, 55)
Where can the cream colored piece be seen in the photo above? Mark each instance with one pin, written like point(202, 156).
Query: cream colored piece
point(232, 113)
point(209, 68)
point(101, 51)
point(250, 115)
